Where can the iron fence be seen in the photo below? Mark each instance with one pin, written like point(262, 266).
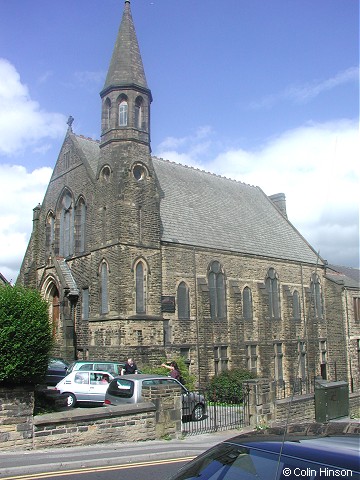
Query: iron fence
point(230, 413)
point(298, 386)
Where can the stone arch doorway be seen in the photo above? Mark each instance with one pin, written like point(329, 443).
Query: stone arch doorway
point(53, 297)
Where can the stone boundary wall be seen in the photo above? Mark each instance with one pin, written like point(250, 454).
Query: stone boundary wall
point(88, 426)
point(266, 410)
point(159, 416)
point(314, 428)
point(354, 404)
point(299, 409)
point(16, 417)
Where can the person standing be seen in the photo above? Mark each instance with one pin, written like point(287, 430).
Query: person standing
point(174, 370)
point(129, 367)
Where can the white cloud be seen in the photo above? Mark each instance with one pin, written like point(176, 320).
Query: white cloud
point(90, 80)
point(305, 93)
point(317, 167)
point(22, 123)
point(21, 191)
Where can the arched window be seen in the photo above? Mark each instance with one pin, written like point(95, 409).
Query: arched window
point(107, 113)
point(272, 288)
point(139, 113)
point(316, 296)
point(123, 113)
point(66, 244)
point(296, 305)
point(183, 303)
point(50, 230)
point(140, 285)
point(247, 304)
point(80, 226)
point(104, 278)
point(216, 282)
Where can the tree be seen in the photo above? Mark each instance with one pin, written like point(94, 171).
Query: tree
point(227, 387)
point(25, 336)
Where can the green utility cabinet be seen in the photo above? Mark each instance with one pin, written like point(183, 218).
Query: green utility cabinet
point(331, 400)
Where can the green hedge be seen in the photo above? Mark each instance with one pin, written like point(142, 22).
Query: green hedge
point(25, 336)
point(227, 386)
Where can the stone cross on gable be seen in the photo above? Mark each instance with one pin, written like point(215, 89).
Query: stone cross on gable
point(70, 121)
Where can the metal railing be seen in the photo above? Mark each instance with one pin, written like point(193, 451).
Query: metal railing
point(298, 386)
point(227, 413)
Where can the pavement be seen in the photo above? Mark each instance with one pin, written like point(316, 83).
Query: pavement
point(25, 462)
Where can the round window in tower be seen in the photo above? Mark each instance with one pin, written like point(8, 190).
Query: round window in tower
point(139, 172)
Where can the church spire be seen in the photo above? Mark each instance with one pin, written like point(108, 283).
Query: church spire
point(126, 97)
point(126, 67)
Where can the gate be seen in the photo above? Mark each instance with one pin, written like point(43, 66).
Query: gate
point(230, 413)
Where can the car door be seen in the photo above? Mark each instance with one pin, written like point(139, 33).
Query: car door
point(98, 384)
point(81, 386)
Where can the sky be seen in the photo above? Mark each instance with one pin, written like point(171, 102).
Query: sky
point(262, 91)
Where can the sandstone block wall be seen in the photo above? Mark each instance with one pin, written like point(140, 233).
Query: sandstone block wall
point(16, 418)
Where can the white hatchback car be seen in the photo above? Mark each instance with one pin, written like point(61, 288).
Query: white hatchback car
point(80, 386)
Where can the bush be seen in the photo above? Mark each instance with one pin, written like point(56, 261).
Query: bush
point(25, 336)
point(227, 386)
point(188, 378)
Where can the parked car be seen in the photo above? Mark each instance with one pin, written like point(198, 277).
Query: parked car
point(128, 389)
point(82, 386)
point(107, 366)
point(265, 457)
point(57, 370)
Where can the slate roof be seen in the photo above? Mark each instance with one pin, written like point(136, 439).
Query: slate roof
point(90, 149)
point(347, 276)
point(202, 209)
point(66, 277)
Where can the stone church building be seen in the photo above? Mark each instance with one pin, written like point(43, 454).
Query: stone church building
point(142, 257)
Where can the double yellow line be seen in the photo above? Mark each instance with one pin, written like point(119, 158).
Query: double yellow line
point(63, 473)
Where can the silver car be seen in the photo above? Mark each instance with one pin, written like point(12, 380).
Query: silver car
point(80, 386)
point(128, 389)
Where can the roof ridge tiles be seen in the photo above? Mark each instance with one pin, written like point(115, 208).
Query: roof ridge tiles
point(86, 138)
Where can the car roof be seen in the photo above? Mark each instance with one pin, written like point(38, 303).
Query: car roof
point(103, 372)
point(142, 376)
point(341, 450)
point(98, 361)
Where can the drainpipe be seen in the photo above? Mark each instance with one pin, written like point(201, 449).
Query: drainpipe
point(348, 349)
point(197, 318)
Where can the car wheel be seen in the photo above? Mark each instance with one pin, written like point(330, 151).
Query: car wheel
point(71, 400)
point(198, 412)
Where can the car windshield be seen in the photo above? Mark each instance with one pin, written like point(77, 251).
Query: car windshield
point(234, 462)
point(231, 462)
point(56, 363)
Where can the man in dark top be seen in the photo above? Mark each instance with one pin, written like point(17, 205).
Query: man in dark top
point(129, 367)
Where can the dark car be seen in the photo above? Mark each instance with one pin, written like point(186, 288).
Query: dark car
point(128, 389)
point(57, 370)
point(264, 457)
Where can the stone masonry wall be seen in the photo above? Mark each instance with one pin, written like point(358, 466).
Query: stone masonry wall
point(354, 405)
point(159, 416)
point(16, 420)
point(126, 423)
point(299, 409)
